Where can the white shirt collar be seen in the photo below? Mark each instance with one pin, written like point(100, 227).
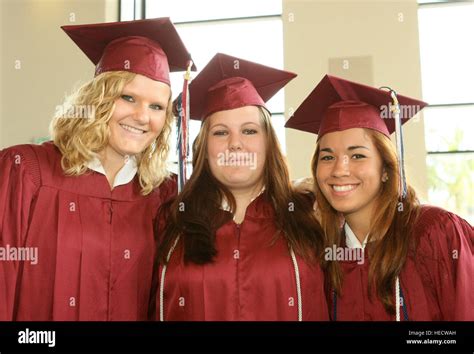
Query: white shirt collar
point(351, 239)
point(124, 176)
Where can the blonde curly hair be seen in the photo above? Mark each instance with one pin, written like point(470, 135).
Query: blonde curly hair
point(80, 139)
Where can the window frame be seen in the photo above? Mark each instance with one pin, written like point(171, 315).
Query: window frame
point(439, 3)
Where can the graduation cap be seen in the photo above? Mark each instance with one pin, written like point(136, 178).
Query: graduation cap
point(149, 47)
point(337, 104)
point(228, 82)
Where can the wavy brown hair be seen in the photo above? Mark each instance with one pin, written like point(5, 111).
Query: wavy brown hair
point(195, 215)
point(80, 139)
point(390, 226)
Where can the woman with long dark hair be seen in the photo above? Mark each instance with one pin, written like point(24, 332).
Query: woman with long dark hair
point(238, 243)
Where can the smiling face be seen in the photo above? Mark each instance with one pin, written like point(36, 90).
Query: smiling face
point(236, 147)
point(350, 171)
point(139, 116)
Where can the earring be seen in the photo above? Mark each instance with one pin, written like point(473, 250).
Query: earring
point(153, 148)
point(384, 178)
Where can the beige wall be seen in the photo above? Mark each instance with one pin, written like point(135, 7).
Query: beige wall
point(374, 42)
point(49, 63)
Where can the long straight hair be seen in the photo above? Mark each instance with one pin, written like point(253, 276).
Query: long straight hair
point(195, 215)
point(390, 226)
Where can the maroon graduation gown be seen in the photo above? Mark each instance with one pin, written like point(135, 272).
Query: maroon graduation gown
point(95, 246)
point(251, 279)
point(437, 280)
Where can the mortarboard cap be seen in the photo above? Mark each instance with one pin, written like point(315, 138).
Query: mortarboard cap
point(228, 82)
point(337, 104)
point(149, 47)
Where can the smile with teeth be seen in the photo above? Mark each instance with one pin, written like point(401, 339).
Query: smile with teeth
point(132, 129)
point(344, 188)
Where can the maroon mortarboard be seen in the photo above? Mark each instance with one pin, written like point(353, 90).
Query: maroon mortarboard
point(228, 82)
point(337, 104)
point(149, 47)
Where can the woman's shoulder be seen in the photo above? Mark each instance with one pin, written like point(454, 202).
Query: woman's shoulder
point(32, 159)
point(168, 189)
point(21, 159)
point(430, 216)
point(440, 231)
point(32, 153)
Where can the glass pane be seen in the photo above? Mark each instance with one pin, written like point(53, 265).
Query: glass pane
point(449, 128)
point(126, 10)
point(192, 10)
point(256, 40)
point(451, 183)
point(194, 127)
point(446, 56)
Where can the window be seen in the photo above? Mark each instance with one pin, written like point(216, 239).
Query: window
point(447, 57)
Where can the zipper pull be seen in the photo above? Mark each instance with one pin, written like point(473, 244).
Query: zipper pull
point(111, 211)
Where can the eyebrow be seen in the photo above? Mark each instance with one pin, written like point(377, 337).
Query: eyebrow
point(134, 93)
point(225, 126)
point(350, 148)
point(327, 150)
point(218, 125)
point(254, 123)
point(357, 147)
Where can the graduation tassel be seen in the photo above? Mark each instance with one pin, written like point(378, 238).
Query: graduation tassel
point(182, 122)
point(395, 113)
point(399, 142)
